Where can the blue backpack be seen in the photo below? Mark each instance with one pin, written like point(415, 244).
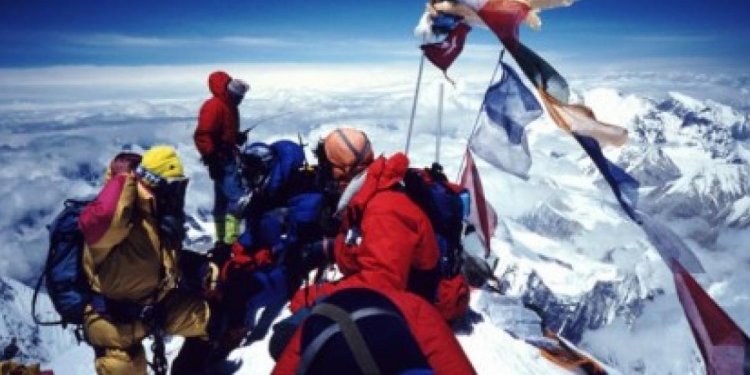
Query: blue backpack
point(66, 282)
point(445, 205)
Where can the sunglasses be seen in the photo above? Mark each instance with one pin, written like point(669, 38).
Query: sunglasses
point(154, 179)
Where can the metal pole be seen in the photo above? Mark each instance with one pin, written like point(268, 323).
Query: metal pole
point(414, 104)
point(439, 124)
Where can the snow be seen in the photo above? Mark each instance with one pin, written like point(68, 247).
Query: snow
point(613, 107)
point(690, 103)
point(490, 348)
point(573, 275)
point(494, 351)
point(35, 342)
point(740, 210)
point(59, 127)
point(705, 179)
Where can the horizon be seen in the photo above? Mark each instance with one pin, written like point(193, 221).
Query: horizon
point(673, 35)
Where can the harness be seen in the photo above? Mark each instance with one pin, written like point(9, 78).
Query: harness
point(345, 323)
point(151, 315)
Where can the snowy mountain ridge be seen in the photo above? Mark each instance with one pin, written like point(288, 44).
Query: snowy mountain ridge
point(36, 343)
point(564, 247)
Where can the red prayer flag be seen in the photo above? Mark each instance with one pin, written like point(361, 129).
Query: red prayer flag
point(724, 346)
point(503, 17)
point(443, 54)
point(481, 215)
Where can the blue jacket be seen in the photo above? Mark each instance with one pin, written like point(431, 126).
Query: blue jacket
point(286, 212)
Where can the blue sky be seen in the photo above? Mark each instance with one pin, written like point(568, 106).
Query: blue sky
point(37, 33)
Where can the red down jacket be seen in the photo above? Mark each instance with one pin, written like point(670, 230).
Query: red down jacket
point(396, 235)
point(219, 120)
point(432, 334)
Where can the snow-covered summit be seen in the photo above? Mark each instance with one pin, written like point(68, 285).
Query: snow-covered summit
point(568, 251)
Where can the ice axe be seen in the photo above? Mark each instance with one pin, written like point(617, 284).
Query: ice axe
point(258, 122)
point(245, 132)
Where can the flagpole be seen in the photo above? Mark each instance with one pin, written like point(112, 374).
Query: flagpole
point(479, 113)
point(439, 125)
point(414, 104)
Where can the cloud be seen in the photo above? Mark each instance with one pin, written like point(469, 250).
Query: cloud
point(137, 41)
point(246, 41)
point(658, 77)
point(671, 38)
point(127, 48)
point(122, 40)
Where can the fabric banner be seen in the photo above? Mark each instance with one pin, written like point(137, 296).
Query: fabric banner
point(482, 215)
point(542, 75)
point(724, 346)
point(443, 54)
point(502, 17)
point(509, 106)
point(669, 246)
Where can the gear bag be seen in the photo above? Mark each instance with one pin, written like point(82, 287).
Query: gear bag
point(359, 331)
point(66, 282)
point(69, 289)
point(444, 203)
point(65, 279)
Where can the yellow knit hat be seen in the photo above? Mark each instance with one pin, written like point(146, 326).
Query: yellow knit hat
point(162, 161)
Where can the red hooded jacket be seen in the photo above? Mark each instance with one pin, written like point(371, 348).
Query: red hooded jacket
point(432, 334)
point(219, 120)
point(396, 235)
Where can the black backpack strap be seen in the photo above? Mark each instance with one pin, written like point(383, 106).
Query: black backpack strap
point(33, 304)
point(346, 324)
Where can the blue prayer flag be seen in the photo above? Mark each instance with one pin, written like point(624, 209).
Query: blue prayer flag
point(623, 185)
point(509, 106)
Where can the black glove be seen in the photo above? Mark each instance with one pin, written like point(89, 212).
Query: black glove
point(220, 254)
point(215, 166)
point(241, 137)
point(309, 257)
point(193, 266)
point(172, 230)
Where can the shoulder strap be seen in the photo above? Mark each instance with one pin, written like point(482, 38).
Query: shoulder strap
point(34, 298)
point(346, 324)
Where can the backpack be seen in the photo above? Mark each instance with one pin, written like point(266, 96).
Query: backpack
point(445, 204)
point(358, 331)
point(68, 286)
point(66, 282)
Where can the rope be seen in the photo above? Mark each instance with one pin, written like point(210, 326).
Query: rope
point(154, 318)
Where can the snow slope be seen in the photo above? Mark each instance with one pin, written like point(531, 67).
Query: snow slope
point(564, 246)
